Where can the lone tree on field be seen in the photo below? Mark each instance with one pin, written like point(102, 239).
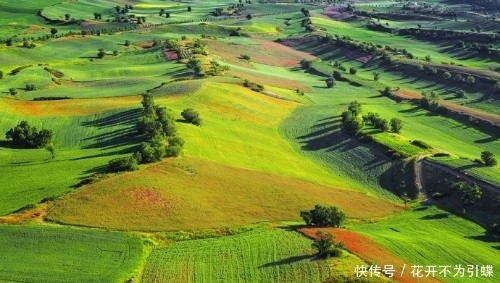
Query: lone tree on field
point(376, 76)
point(396, 125)
point(323, 216)
point(101, 53)
point(488, 158)
point(189, 8)
point(53, 31)
point(330, 82)
point(326, 246)
point(249, 16)
point(470, 192)
point(192, 116)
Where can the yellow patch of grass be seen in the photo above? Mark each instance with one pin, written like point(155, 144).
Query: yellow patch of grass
point(189, 193)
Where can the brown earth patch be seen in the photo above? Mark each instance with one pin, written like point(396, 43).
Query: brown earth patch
point(36, 214)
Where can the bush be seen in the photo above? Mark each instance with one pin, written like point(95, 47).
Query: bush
point(123, 164)
point(326, 246)
point(353, 71)
point(192, 116)
point(396, 125)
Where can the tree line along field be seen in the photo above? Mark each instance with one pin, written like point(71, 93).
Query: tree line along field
point(271, 142)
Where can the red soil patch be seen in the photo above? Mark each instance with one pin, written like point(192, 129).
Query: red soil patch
point(337, 13)
point(371, 252)
point(170, 54)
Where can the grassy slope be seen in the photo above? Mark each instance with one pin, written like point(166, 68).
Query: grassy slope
point(234, 117)
point(260, 256)
point(430, 236)
point(54, 254)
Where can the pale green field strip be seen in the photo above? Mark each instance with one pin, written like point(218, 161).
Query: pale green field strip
point(53, 254)
point(270, 256)
point(430, 236)
point(418, 48)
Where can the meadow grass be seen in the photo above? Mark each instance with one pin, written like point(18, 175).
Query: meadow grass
point(42, 253)
point(430, 236)
point(275, 255)
point(188, 193)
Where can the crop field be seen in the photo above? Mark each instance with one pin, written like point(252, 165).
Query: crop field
point(430, 236)
point(272, 141)
point(259, 256)
point(53, 254)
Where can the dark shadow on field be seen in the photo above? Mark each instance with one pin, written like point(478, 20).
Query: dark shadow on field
point(487, 238)
point(289, 260)
point(7, 144)
point(127, 135)
point(435, 216)
point(421, 208)
point(323, 137)
point(465, 167)
point(411, 110)
point(487, 140)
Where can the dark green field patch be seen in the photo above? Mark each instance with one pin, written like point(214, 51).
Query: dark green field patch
point(56, 254)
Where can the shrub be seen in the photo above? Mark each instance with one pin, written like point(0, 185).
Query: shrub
point(123, 164)
point(330, 82)
point(192, 116)
point(326, 246)
point(353, 71)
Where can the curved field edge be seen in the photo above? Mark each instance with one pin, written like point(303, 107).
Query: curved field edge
point(189, 193)
point(430, 236)
point(80, 254)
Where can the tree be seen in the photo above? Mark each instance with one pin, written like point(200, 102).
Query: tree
point(8, 42)
point(470, 192)
point(53, 31)
point(189, 9)
point(101, 53)
point(471, 80)
point(428, 58)
point(446, 75)
point(50, 148)
point(396, 125)
point(192, 116)
point(127, 42)
point(351, 124)
point(245, 57)
point(67, 17)
point(25, 135)
point(330, 82)
point(326, 246)
point(195, 65)
point(376, 76)
point(12, 91)
point(354, 107)
point(460, 93)
point(488, 158)
point(249, 16)
point(323, 216)
point(353, 70)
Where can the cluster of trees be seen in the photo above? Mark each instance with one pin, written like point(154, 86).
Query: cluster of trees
point(157, 126)
point(27, 136)
point(352, 123)
point(326, 245)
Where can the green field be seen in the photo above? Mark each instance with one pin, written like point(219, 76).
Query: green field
point(430, 236)
point(270, 144)
point(41, 253)
point(275, 255)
